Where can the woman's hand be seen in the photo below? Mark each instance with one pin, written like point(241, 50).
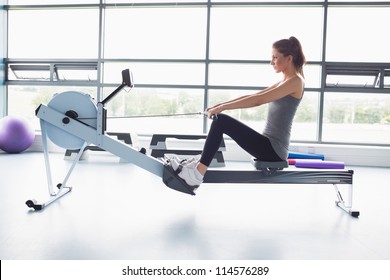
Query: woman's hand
point(213, 111)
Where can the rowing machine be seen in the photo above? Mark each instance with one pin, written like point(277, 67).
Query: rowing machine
point(73, 120)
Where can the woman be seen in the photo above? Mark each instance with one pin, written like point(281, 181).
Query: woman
point(283, 99)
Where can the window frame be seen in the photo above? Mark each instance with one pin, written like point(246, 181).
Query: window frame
point(327, 68)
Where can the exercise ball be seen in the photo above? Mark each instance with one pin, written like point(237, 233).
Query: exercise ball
point(16, 134)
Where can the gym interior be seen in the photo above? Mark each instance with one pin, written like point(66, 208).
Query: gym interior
point(152, 68)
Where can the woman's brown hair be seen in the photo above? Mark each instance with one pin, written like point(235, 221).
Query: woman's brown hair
point(292, 46)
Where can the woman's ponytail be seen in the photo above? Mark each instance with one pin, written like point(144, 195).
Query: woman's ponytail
point(293, 47)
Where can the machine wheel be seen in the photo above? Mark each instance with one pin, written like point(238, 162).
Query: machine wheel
point(76, 106)
point(355, 214)
point(32, 203)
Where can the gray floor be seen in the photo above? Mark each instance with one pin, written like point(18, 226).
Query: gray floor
point(118, 211)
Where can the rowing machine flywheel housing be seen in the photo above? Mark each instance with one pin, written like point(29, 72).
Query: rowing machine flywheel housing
point(75, 105)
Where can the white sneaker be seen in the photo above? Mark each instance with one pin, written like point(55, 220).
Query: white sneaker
point(175, 161)
point(190, 174)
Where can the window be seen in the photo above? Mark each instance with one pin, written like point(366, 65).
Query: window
point(356, 75)
point(155, 33)
point(157, 73)
point(305, 122)
point(43, 2)
point(55, 71)
point(386, 79)
point(305, 126)
point(23, 100)
point(248, 32)
point(255, 74)
point(189, 54)
point(352, 78)
point(358, 34)
point(152, 110)
point(152, 1)
point(240, 74)
point(356, 118)
point(63, 33)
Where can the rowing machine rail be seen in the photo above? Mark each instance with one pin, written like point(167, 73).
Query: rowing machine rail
point(291, 176)
point(69, 125)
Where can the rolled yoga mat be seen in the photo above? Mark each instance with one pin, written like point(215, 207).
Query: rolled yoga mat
point(291, 161)
point(294, 155)
point(320, 164)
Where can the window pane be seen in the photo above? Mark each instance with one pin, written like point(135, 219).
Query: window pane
point(305, 122)
point(155, 33)
point(253, 117)
point(36, 71)
point(312, 76)
point(226, 74)
point(245, 33)
point(265, 1)
point(157, 73)
point(358, 34)
point(42, 2)
point(386, 79)
point(257, 75)
point(357, 1)
point(153, 1)
point(53, 33)
point(146, 102)
point(357, 118)
point(77, 71)
point(23, 100)
point(352, 81)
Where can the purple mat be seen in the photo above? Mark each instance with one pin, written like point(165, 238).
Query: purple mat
point(322, 164)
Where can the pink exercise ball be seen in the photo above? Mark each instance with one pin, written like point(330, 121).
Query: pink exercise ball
point(16, 134)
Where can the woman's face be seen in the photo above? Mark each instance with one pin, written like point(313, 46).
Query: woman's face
point(279, 61)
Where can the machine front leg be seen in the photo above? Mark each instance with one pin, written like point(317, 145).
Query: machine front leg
point(62, 188)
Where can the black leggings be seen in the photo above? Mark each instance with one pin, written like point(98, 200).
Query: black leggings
point(247, 138)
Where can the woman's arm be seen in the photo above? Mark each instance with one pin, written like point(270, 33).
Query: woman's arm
point(293, 86)
point(242, 97)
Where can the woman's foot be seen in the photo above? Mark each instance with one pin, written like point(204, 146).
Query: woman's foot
point(190, 174)
point(183, 161)
point(187, 170)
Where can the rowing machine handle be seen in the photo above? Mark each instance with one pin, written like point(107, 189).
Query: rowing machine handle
point(127, 80)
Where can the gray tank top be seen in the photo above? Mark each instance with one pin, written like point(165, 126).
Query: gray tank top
point(281, 113)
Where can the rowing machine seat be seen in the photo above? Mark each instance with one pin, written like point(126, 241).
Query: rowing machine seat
point(269, 167)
